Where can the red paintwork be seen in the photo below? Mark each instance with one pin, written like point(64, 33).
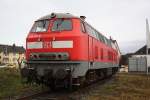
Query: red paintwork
point(85, 47)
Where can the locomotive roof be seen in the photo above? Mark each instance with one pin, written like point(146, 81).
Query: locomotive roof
point(58, 15)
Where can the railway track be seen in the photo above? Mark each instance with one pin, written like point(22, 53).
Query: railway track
point(62, 94)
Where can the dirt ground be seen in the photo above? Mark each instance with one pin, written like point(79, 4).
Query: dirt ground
point(124, 86)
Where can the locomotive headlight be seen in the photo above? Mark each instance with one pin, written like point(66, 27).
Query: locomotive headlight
point(34, 45)
point(62, 44)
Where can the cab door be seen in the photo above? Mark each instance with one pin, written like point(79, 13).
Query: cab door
point(90, 47)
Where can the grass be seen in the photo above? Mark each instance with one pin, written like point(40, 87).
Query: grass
point(11, 84)
point(125, 87)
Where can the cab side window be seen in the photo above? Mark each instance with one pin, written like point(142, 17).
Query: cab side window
point(90, 31)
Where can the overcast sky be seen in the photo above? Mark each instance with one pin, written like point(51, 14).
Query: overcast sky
point(123, 20)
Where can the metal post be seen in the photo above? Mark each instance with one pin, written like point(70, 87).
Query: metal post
point(147, 59)
point(147, 41)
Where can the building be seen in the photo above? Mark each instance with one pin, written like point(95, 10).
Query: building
point(9, 54)
point(140, 60)
point(142, 51)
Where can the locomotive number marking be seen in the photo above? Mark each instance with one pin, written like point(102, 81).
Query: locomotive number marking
point(46, 44)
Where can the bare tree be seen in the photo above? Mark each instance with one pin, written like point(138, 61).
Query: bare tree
point(19, 60)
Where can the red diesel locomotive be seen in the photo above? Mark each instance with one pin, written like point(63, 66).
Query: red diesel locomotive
point(62, 49)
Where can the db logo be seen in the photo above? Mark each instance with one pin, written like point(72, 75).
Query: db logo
point(46, 44)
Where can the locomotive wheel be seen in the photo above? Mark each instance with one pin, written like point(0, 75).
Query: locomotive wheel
point(91, 77)
point(101, 76)
point(114, 70)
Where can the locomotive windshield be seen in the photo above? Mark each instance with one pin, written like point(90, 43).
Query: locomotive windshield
point(40, 26)
point(62, 24)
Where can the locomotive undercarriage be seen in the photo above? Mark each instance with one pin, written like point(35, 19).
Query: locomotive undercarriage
point(68, 74)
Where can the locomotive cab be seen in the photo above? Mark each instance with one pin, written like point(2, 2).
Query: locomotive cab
point(58, 37)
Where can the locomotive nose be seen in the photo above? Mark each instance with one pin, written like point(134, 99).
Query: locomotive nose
point(60, 73)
